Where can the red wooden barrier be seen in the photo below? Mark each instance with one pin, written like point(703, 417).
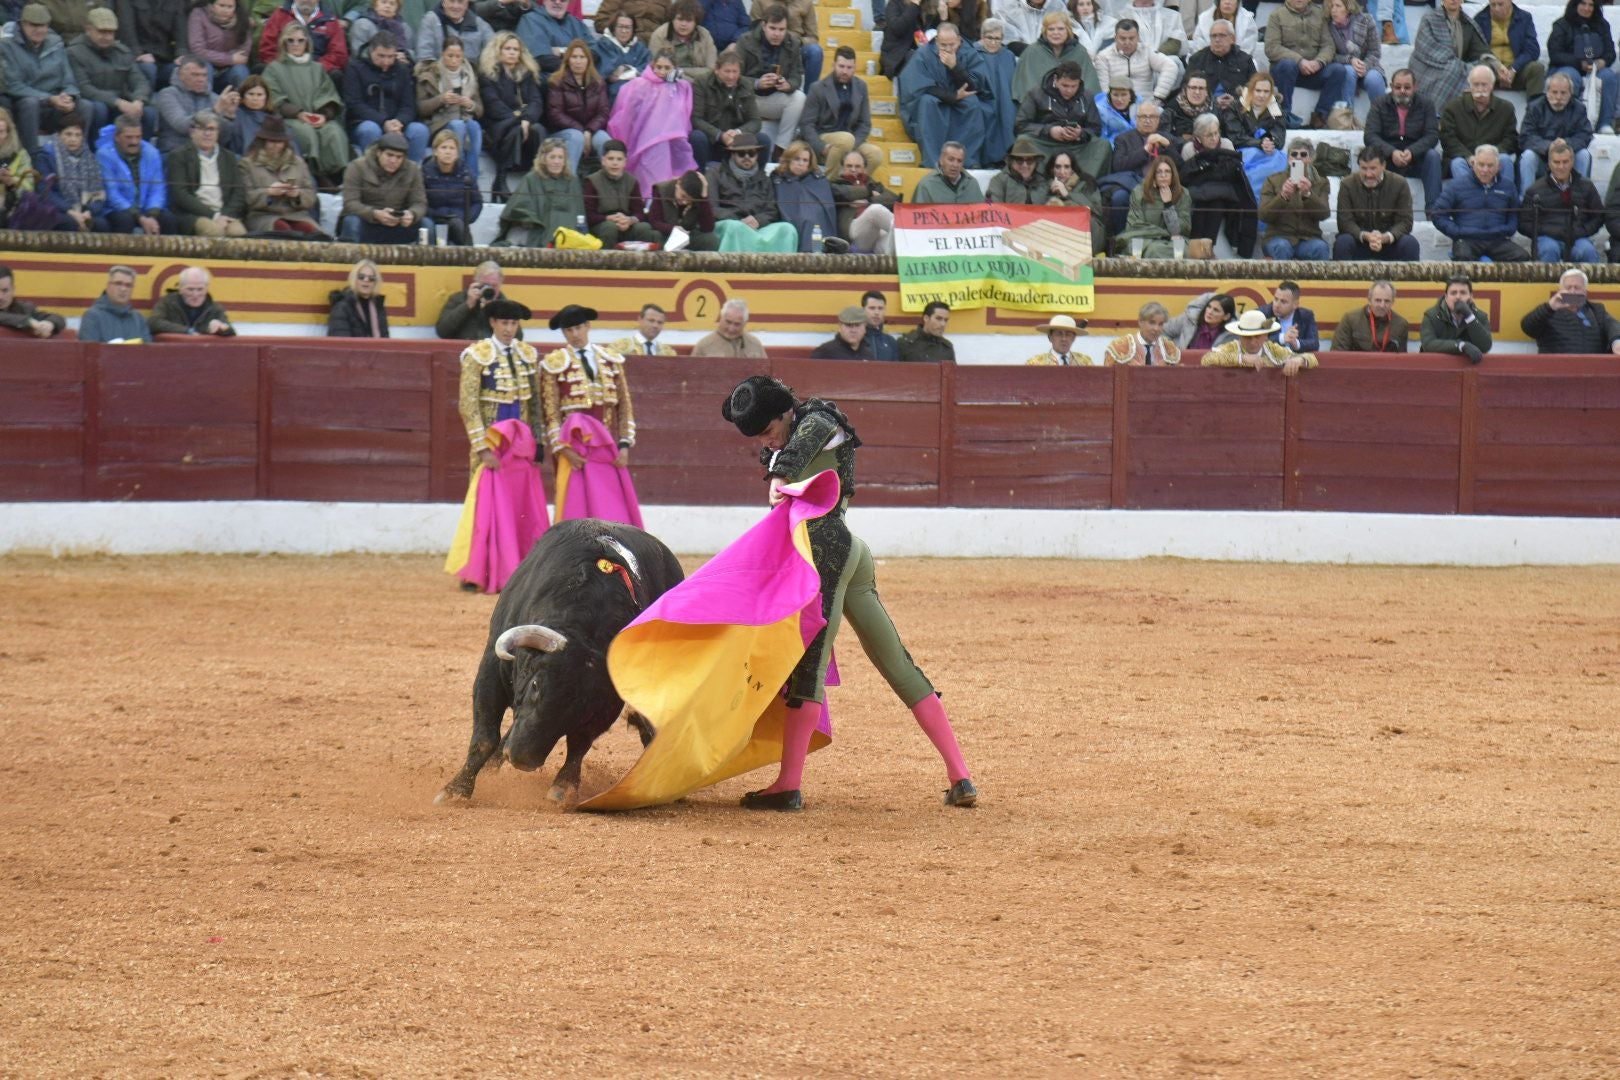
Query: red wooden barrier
point(377, 421)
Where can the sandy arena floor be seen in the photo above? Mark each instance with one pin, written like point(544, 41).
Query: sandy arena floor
point(1237, 821)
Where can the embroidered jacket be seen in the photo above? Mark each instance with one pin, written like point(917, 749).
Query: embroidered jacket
point(1050, 359)
point(633, 346)
point(488, 382)
point(1123, 350)
point(1230, 354)
point(565, 387)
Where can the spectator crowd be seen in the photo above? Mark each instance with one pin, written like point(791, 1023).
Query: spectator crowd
point(712, 126)
point(1281, 334)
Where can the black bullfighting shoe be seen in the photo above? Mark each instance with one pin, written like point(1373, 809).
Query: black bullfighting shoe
point(962, 793)
point(774, 800)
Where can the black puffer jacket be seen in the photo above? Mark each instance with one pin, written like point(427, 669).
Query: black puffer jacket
point(349, 319)
point(1545, 213)
point(1588, 330)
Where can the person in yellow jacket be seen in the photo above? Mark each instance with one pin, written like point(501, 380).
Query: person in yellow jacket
point(498, 378)
point(1150, 346)
point(1060, 331)
point(583, 377)
point(1249, 348)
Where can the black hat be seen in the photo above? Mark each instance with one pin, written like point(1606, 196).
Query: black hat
point(505, 308)
point(572, 315)
point(755, 402)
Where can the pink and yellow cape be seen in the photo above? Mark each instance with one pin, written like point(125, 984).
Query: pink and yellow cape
point(504, 512)
point(601, 489)
point(707, 661)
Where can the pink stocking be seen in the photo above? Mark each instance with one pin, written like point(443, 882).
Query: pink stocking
point(930, 714)
point(797, 726)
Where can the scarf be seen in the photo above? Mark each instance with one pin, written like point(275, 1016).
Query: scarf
point(1188, 108)
point(78, 176)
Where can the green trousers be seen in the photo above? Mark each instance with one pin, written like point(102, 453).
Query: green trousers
point(856, 600)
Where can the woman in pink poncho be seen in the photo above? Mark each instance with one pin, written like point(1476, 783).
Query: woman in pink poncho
point(653, 117)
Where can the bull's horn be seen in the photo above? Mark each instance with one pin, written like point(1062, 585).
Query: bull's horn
point(533, 636)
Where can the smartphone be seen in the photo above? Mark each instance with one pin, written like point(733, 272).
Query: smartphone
point(776, 70)
point(1296, 170)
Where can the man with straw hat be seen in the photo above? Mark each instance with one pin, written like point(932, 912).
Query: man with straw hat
point(1060, 331)
point(1251, 349)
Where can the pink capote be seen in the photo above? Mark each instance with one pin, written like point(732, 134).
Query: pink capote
point(509, 510)
point(601, 489)
point(653, 119)
point(707, 660)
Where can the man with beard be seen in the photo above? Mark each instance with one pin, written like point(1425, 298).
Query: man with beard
point(1375, 214)
point(1401, 126)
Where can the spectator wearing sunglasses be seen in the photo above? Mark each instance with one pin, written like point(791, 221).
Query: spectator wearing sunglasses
point(1293, 205)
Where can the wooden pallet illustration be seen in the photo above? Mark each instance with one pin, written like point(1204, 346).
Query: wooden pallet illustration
point(1064, 249)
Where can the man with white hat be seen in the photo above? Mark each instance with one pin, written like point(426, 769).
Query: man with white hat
point(1060, 331)
point(1249, 347)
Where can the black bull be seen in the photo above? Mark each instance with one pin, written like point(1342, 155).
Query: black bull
point(583, 583)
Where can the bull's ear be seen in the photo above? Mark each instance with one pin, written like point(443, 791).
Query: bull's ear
point(532, 636)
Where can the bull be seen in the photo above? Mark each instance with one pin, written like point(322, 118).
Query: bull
point(546, 654)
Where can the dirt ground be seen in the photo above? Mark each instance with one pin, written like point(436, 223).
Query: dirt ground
point(1237, 821)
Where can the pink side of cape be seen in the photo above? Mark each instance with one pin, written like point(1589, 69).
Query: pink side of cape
point(653, 118)
point(601, 489)
point(760, 578)
point(509, 511)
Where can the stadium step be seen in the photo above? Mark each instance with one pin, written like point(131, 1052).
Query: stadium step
point(905, 153)
point(901, 180)
point(884, 106)
point(845, 20)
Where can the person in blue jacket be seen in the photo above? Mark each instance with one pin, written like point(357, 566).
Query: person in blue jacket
point(1527, 72)
point(1296, 326)
point(113, 317)
point(546, 31)
point(726, 21)
point(132, 170)
point(1480, 212)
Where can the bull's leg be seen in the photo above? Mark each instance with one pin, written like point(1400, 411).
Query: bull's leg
point(641, 724)
point(492, 695)
point(565, 789)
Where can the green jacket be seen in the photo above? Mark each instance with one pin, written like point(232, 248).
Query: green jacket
point(1291, 36)
point(184, 171)
point(1441, 334)
point(1298, 217)
point(717, 107)
point(934, 188)
point(171, 316)
point(1462, 129)
point(545, 204)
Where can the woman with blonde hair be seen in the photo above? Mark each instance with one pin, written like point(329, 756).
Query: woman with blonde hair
point(577, 103)
point(447, 97)
point(16, 167)
point(357, 311)
point(514, 103)
point(548, 198)
point(1057, 44)
point(1356, 44)
point(302, 92)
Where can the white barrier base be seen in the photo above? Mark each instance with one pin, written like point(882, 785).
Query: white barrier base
point(308, 528)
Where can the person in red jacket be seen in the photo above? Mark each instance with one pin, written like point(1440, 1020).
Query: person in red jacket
point(577, 104)
point(325, 34)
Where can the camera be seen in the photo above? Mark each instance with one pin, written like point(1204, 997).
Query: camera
point(487, 293)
